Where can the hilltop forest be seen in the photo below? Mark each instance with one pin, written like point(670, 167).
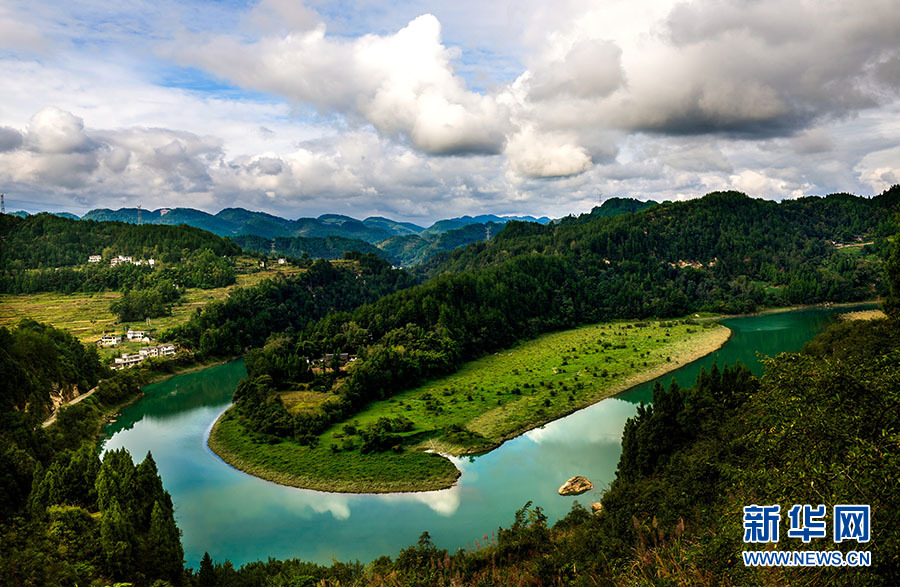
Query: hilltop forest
point(722, 253)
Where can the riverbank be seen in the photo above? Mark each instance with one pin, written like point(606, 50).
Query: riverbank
point(475, 410)
point(708, 317)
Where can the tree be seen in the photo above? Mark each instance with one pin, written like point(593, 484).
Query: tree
point(117, 541)
point(206, 576)
point(165, 557)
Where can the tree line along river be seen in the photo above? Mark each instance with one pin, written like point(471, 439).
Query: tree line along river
point(238, 517)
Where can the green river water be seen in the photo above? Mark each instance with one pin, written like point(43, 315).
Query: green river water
point(235, 516)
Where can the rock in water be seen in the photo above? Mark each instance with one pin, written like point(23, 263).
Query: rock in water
point(575, 486)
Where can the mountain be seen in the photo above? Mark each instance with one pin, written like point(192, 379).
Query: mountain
point(50, 241)
point(329, 247)
point(454, 223)
point(397, 228)
point(616, 206)
point(402, 242)
point(238, 221)
point(414, 249)
point(24, 214)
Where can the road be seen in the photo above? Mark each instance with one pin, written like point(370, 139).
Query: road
point(52, 417)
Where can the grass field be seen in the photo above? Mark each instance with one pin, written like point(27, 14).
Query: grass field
point(475, 409)
point(288, 463)
point(87, 315)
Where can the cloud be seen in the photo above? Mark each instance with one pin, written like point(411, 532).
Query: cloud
point(589, 69)
point(763, 68)
point(403, 83)
point(512, 107)
point(55, 131)
point(536, 154)
point(10, 139)
point(18, 34)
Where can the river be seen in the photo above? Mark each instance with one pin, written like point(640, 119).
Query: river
point(238, 517)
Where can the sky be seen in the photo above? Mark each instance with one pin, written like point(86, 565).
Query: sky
point(426, 110)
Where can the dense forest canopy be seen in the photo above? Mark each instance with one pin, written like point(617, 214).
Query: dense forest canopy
point(66, 516)
point(250, 315)
point(329, 247)
point(721, 253)
point(50, 241)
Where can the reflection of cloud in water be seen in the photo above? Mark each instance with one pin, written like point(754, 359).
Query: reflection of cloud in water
point(261, 499)
point(601, 423)
point(335, 504)
point(444, 502)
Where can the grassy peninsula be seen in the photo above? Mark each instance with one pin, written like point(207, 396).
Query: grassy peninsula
point(473, 410)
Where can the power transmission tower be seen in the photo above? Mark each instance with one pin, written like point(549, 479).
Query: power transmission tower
point(140, 221)
point(2, 204)
point(487, 232)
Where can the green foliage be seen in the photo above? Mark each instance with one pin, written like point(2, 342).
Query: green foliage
point(36, 358)
point(329, 247)
point(414, 249)
point(140, 304)
point(250, 315)
point(49, 241)
point(892, 302)
point(382, 435)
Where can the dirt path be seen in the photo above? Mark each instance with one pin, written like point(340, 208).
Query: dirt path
point(52, 417)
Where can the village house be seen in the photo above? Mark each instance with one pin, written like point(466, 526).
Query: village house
point(110, 340)
point(94, 259)
point(163, 350)
point(127, 360)
point(140, 335)
point(120, 259)
point(153, 352)
point(282, 260)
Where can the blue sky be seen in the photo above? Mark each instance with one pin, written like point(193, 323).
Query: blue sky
point(425, 110)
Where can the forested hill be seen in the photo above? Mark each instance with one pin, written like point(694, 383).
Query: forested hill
point(723, 253)
point(738, 234)
point(329, 247)
point(66, 517)
point(47, 240)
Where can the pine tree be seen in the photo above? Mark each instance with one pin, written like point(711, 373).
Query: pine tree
point(165, 557)
point(206, 576)
point(117, 541)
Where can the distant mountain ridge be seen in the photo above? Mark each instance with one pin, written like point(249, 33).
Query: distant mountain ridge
point(239, 221)
point(404, 243)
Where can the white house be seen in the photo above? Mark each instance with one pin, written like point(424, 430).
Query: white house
point(120, 259)
point(94, 259)
point(127, 360)
point(282, 261)
point(140, 335)
point(109, 340)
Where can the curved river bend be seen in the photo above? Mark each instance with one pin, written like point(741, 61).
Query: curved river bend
point(235, 516)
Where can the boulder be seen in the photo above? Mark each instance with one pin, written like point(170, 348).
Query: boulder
point(575, 486)
point(596, 507)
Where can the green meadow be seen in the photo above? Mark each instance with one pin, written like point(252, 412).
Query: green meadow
point(475, 409)
point(87, 317)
